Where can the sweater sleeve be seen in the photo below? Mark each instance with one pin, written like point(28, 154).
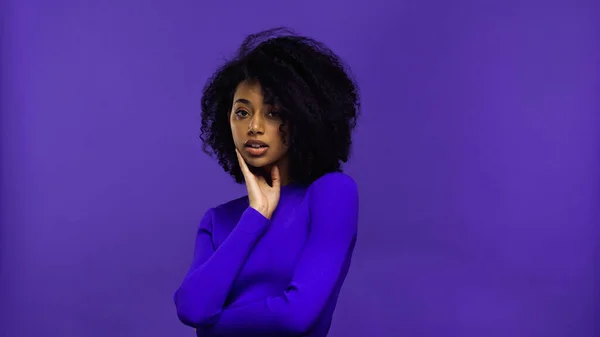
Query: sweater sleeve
point(202, 294)
point(334, 218)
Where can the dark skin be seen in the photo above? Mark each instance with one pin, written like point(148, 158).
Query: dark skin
point(253, 120)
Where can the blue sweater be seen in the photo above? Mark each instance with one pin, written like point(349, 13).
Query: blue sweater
point(251, 276)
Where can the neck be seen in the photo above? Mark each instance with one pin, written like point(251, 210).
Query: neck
point(284, 172)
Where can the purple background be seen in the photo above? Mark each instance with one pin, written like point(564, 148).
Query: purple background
point(477, 159)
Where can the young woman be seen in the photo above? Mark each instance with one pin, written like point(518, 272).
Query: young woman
point(278, 117)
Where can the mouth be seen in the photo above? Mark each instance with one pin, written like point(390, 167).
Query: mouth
point(256, 147)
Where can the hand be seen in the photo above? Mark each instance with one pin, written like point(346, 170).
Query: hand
point(262, 197)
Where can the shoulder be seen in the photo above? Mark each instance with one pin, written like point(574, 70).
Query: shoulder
point(334, 188)
point(334, 182)
point(223, 212)
point(333, 203)
point(230, 205)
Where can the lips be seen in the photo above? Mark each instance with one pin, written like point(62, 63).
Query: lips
point(255, 144)
point(256, 148)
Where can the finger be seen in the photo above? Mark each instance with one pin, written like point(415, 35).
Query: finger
point(242, 162)
point(275, 177)
point(249, 177)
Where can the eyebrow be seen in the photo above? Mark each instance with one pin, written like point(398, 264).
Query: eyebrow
point(242, 100)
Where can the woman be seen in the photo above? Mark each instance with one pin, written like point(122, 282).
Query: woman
point(278, 117)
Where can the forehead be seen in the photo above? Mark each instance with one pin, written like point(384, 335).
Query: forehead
point(251, 91)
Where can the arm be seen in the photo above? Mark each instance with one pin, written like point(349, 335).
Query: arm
point(203, 292)
point(334, 217)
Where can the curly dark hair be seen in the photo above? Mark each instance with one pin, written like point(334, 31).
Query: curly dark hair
point(319, 102)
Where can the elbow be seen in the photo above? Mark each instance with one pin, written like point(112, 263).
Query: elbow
point(191, 318)
point(192, 313)
point(297, 324)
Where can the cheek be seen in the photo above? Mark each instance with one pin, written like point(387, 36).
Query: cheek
point(281, 134)
point(285, 135)
point(235, 125)
point(235, 132)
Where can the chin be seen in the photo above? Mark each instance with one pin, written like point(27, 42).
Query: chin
point(259, 162)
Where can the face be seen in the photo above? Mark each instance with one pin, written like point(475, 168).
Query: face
point(255, 127)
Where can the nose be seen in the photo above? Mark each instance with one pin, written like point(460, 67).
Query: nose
point(256, 125)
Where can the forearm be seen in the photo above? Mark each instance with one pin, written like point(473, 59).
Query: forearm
point(202, 294)
point(294, 312)
point(264, 317)
point(318, 273)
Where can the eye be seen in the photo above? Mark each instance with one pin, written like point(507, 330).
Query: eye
point(241, 113)
point(274, 114)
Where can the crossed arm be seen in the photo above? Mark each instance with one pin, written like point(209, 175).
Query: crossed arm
point(333, 207)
